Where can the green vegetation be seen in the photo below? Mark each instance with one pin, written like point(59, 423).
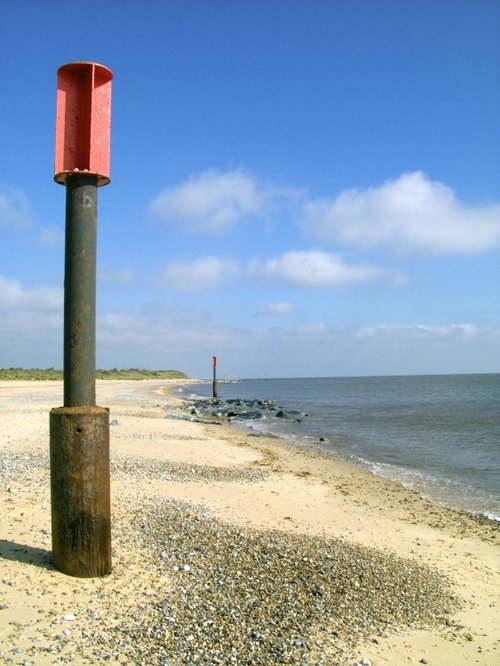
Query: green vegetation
point(35, 374)
point(21, 374)
point(134, 373)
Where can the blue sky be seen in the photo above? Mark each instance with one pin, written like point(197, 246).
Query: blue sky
point(300, 188)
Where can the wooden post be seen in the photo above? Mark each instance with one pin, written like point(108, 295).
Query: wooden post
point(80, 490)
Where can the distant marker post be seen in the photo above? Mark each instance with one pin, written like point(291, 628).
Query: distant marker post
point(79, 431)
point(214, 383)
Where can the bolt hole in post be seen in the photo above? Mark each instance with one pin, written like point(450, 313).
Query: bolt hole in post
point(79, 431)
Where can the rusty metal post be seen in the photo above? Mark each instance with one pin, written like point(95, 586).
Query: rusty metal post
point(79, 431)
point(80, 291)
point(214, 383)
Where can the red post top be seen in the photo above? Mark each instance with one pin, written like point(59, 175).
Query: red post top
point(214, 360)
point(83, 121)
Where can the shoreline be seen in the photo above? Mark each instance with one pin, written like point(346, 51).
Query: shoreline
point(218, 479)
point(427, 487)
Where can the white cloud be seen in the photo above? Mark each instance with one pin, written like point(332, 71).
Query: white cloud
point(411, 213)
point(419, 331)
point(31, 334)
point(280, 308)
point(311, 268)
point(15, 297)
point(159, 337)
point(15, 210)
point(201, 274)
point(211, 202)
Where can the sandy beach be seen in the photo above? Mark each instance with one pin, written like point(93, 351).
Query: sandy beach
point(229, 548)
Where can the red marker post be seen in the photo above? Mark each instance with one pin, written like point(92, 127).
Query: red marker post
point(79, 431)
point(214, 383)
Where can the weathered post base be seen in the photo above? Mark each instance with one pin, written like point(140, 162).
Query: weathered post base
point(80, 491)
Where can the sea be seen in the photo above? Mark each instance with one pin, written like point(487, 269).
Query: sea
point(438, 435)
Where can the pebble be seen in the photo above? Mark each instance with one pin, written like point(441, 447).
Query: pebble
point(145, 468)
point(251, 597)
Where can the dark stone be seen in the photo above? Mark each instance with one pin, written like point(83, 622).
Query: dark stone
point(249, 416)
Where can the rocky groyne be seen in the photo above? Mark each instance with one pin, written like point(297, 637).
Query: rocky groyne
point(217, 410)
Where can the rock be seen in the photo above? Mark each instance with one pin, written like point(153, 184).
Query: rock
point(233, 408)
point(249, 416)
